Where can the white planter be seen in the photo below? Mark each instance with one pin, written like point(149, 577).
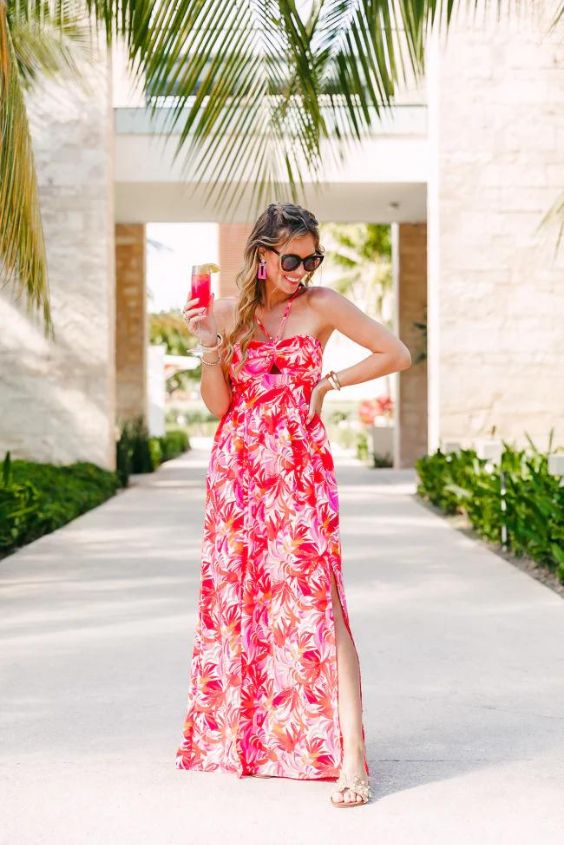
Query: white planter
point(556, 464)
point(490, 449)
point(156, 389)
point(383, 441)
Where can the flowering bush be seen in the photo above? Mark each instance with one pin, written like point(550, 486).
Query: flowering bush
point(370, 409)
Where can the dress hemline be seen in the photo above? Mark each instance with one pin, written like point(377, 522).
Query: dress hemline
point(245, 774)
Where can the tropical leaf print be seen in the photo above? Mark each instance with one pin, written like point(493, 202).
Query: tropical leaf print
point(262, 694)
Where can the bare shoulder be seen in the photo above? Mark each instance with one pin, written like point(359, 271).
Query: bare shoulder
point(321, 297)
point(326, 302)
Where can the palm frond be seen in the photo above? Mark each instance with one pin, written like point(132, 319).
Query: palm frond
point(23, 263)
point(558, 15)
point(251, 89)
point(255, 87)
point(554, 216)
point(226, 72)
point(50, 39)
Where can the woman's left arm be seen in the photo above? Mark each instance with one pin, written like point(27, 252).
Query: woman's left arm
point(389, 353)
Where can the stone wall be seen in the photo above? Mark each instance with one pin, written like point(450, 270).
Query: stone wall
point(58, 397)
point(411, 275)
point(131, 322)
point(496, 297)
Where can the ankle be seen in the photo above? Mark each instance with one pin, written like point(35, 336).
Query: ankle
point(353, 751)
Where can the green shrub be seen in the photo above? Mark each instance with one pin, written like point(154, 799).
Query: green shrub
point(37, 498)
point(141, 458)
point(175, 442)
point(123, 456)
point(461, 482)
point(379, 461)
point(18, 503)
point(362, 446)
point(155, 452)
point(136, 451)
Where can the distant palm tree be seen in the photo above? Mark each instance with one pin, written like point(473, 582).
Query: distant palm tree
point(169, 328)
point(254, 85)
point(362, 253)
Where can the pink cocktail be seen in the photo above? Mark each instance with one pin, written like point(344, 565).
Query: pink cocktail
point(201, 285)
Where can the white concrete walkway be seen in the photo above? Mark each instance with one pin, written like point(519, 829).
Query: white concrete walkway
point(462, 658)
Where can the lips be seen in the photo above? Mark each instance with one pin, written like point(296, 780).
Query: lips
point(292, 281)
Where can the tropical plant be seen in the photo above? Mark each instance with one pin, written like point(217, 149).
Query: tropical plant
point(265, 90)
point(362, 253)
point(517, 498)
point(36, 498)
point(168, 328)
point(138, 451)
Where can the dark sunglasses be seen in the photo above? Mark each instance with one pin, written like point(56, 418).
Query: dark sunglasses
point(290, 262)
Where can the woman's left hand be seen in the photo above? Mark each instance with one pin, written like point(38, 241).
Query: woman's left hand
point(316, 399)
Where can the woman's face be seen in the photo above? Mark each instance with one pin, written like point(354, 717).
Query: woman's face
point(302, 245)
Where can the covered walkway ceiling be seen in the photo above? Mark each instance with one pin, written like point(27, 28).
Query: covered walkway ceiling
point(383, 181)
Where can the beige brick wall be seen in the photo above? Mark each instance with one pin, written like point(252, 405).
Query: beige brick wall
point(232, 239)
point(131, 322)
point(58, 397)
point(496, 297)
point(411, 273)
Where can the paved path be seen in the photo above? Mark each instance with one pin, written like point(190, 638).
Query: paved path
point(462, 658)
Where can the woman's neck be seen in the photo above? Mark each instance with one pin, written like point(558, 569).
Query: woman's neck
point(268, 306)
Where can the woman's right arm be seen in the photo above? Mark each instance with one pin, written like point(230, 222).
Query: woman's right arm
point(214, 390)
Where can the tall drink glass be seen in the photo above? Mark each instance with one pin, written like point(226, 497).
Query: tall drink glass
point(201, 284)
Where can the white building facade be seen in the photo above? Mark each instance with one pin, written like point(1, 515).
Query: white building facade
point(464, 169)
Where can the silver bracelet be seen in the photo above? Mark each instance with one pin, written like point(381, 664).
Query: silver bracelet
point(199, 349)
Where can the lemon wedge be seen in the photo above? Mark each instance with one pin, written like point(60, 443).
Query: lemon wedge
point(210, 267)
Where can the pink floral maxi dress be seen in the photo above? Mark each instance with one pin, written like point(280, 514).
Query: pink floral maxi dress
point(263, 693)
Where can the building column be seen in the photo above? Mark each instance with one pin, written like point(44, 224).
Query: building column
point(496, 298)
point(232, 240)
point(58, 394)
point(410, 267)
point(132, 327)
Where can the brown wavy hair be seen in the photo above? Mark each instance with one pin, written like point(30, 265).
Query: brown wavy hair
point(277, 225)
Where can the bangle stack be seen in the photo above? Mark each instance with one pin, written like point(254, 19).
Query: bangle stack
point(333, 380)
point(200, 349)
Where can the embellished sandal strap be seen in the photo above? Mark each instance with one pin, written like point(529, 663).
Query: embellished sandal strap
point(356, 783)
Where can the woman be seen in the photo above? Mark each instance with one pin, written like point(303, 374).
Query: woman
point(275, 684)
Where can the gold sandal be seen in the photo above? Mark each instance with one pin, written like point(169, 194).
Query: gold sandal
point(356, 784)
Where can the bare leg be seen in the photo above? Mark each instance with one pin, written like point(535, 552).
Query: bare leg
point(350, 708)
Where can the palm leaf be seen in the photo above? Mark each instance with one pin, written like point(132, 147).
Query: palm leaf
point(554, 215)
point(252, 88)
point(256, 88)
point(22, 245)
point(231, 82)
point(50, 39)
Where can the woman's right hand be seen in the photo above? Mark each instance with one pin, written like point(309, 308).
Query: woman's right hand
point(200, 323)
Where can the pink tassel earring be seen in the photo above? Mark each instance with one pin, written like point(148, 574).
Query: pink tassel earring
point(262, 269)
